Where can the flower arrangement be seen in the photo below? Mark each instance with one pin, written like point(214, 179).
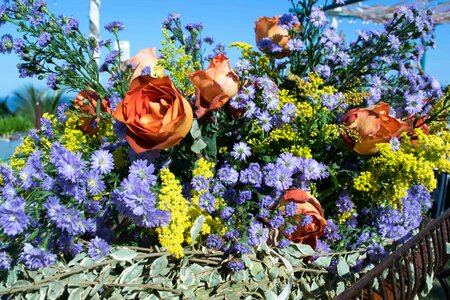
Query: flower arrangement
point(289, 175)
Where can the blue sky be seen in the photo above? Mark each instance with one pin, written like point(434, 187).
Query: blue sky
point(225, 21)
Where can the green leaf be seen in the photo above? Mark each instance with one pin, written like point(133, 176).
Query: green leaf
point(306, 250)
point(352, 259)
point(158, 265)
point(187, 277)
point(132, 272)
point(214, 279)
point(342, 267)
point(195, 130)
point(76, 294)
point(55, 290)
point(340, 288)
point(247, 261)
point(198, 146)
point(271, 295)
point(428, 285)
point(256, 269)
point(124, 254)
point(196, 227)
point(447, 248)
point(323, 262)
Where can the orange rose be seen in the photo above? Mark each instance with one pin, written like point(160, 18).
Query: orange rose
point(267, 27)
point(372, 125)
point(87, 102)
point(307, 205)
point(155, 113)
point(146, 58)
point(215, 85)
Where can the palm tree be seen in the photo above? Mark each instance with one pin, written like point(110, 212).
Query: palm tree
point(4, 109)
point(32, 102)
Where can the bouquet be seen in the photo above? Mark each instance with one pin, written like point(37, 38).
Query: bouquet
point(289, 175)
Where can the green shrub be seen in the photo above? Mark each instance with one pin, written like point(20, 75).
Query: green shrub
point(11, 124)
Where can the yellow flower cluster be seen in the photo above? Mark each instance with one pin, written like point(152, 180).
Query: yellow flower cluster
point(355, 98)
point(210, 225)
point(73, 138)
point(255, 58)
point(300, 151)
point(171, 199)
point(120, 156)
point(313, 87)
point(20, 155)
point(343, 217)
point(391, 173)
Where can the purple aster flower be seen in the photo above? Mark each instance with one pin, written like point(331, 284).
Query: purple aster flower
point(18, 46)
point(146, 71)
point(376, 252)
point(340, 2)
point(8, 191)
point(194, 26)
point(227, 175)
point(36, 18)
point(290, 210)
point(155, 218)
point(344, 204)
point(52, 81)
point(67, 245)
point(235, 266)
point(240, 249)
point(139, 201)
point(295, 45)
point(277, 221)
point(264, 120)
point(209, 40)
point(265, 44)
point(44, 39)
point(226, 213)
point(414, 103)
point(288, 112)
point(393, 41)
point(243, 65)
point(13, 219)
point(114, 26)
point(257, 234)
point(6, 44)
point(94, 184)
point(318, 17)
point(331, 231)
point(5, 261)
point(324, 71)
point(306, 220)
point(98, 248)
point(207, 202)
point(322, 247)
point(266, 202)
point(36, 258)
point(71, 25)
point(143, 171)
point(70, 166)
point(214, 242)
point(241, 151)
point(252, 175)
point(70, 221)
point(280, 178)
point(362, 238)
point(199, 183)
point(312, 170)
point(284, 243)
point(111, 57)
point(114, 100)
point(102, 161)
point(287, 21)
point(232, 234)
point(289, 161)
point(395, 144)
point(243, 197)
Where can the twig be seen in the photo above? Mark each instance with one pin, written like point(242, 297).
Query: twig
point(300, 269)
point(206, 261)
point(136, 285)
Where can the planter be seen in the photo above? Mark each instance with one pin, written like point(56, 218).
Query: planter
point(410, 268)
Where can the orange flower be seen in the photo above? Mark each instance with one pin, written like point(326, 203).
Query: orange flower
point(307, 205)
point(155, 113)
point(372, 125)
point(87, 103)
point(267, 27)
point(215, 85)
point(146, 58)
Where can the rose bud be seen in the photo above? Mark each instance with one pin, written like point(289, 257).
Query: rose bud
point(87, 103)
point(269, 35)
point(155, 113)
point(215, 85)
point(307, 207)
point(367, 127)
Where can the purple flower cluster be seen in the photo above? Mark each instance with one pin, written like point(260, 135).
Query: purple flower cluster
point(36, 258)
point(135, 200)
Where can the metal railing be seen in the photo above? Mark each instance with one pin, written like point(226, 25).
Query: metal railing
point(403, 274)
